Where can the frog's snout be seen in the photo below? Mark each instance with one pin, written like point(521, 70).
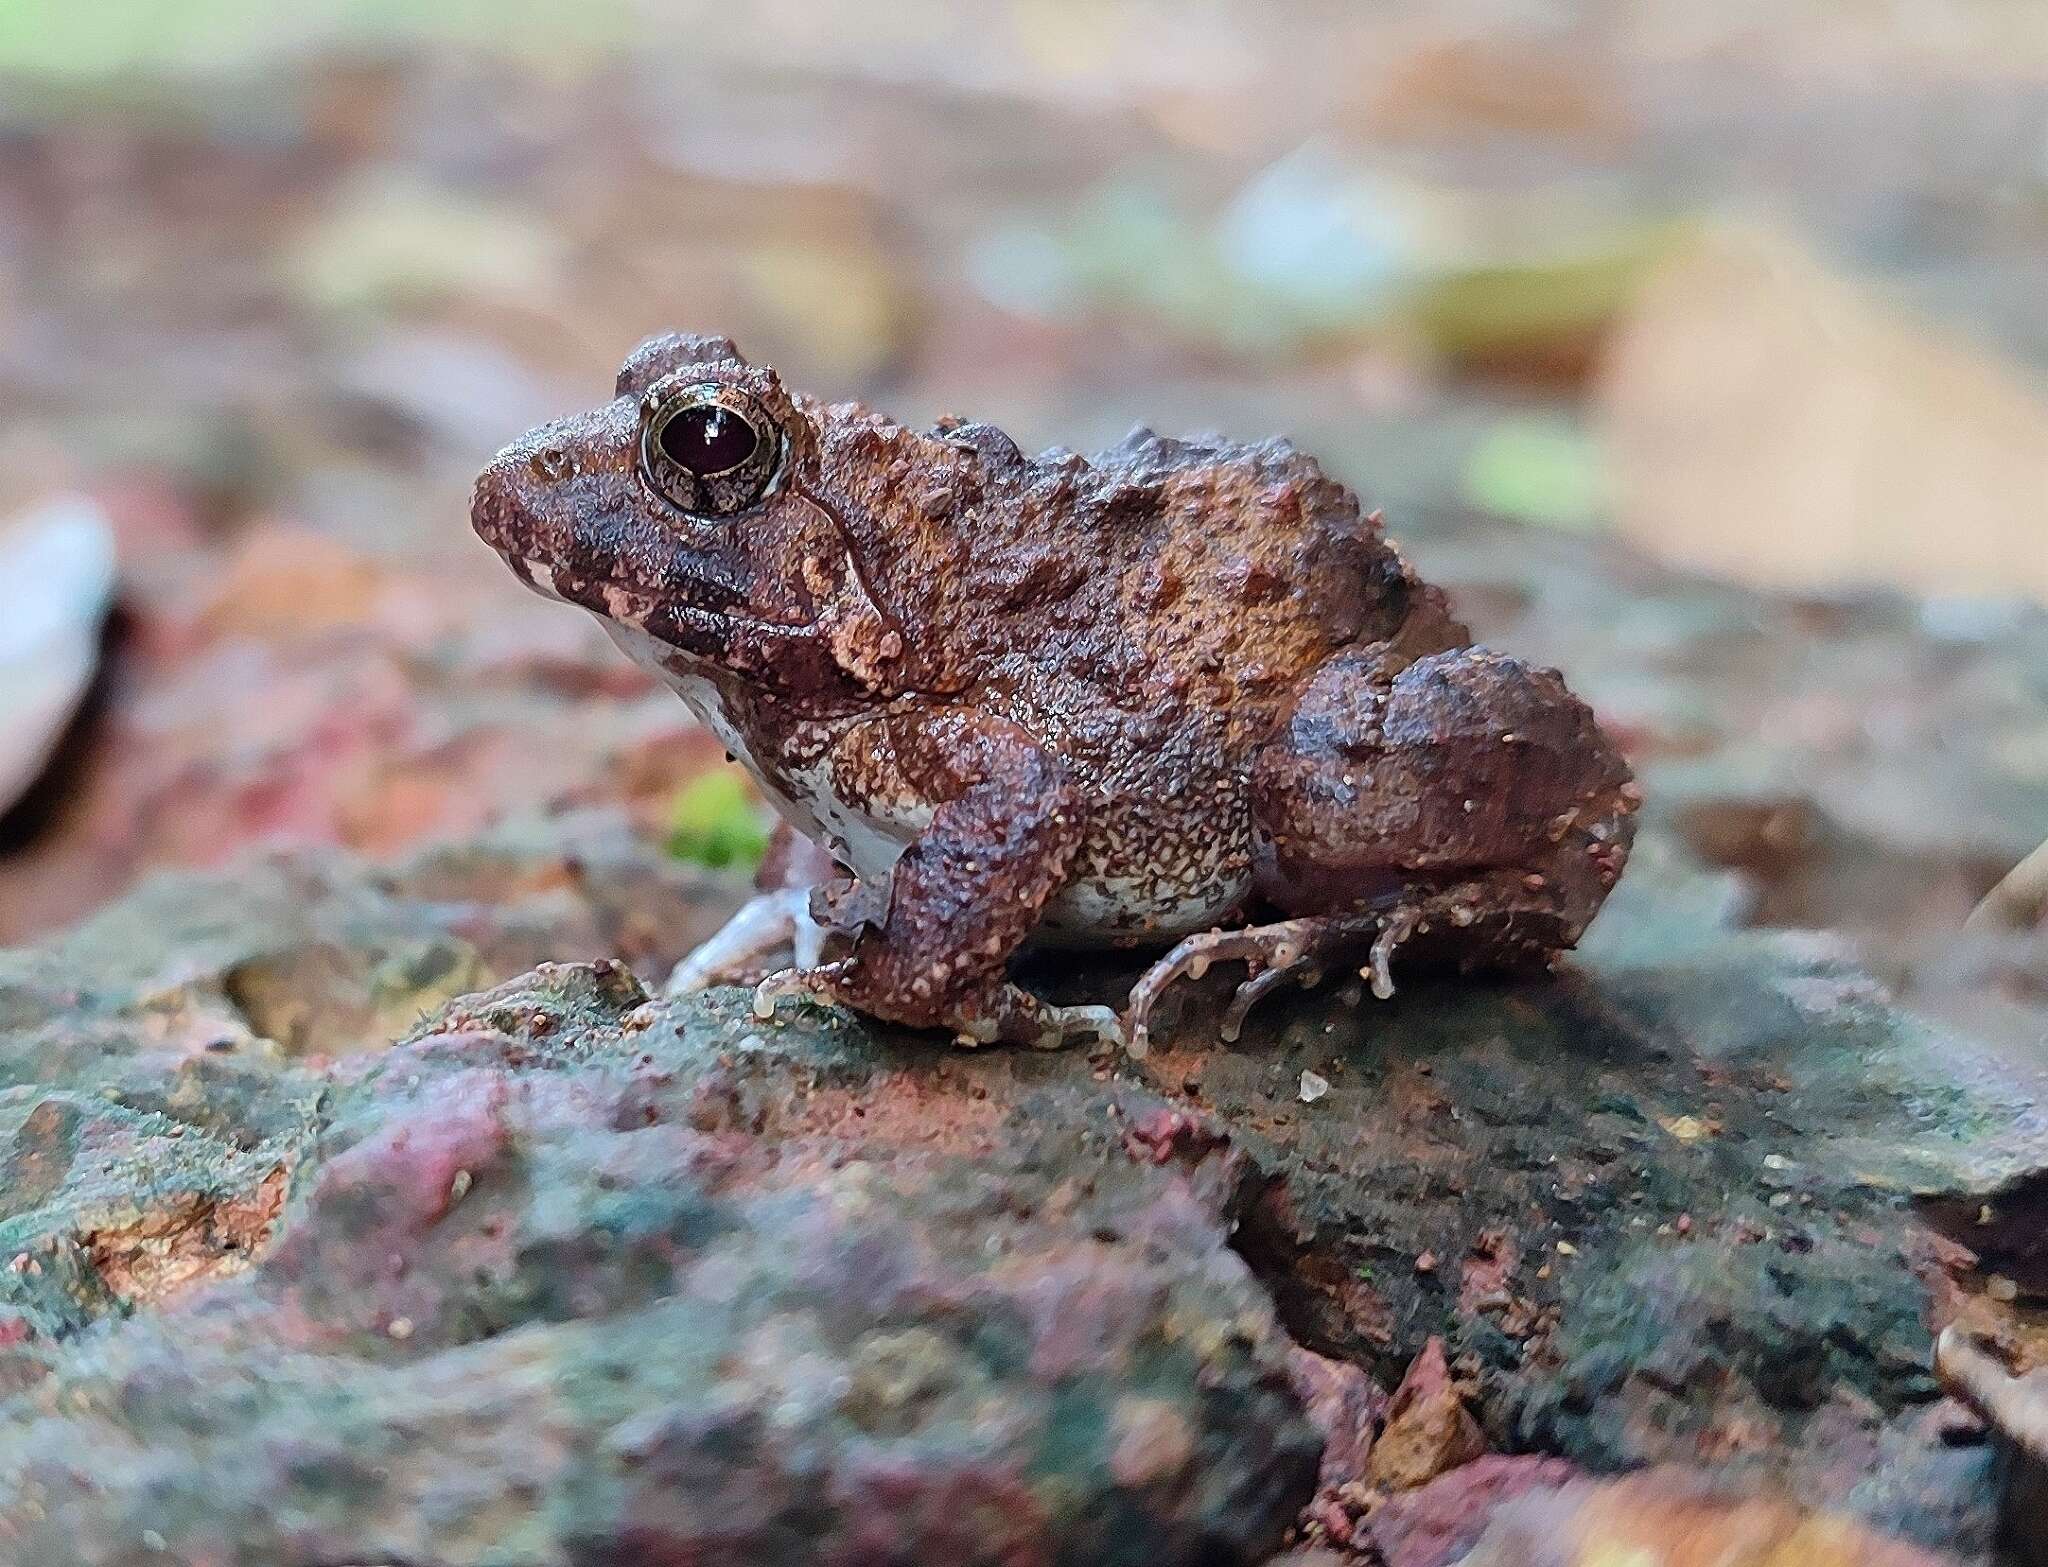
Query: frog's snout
point(503, 513)
point(490, 504)
point(497, 505)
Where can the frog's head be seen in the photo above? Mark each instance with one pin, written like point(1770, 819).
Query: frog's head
point(675, 510)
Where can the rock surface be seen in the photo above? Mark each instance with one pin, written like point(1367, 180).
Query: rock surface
point(567, 1278)
point(569, 1275)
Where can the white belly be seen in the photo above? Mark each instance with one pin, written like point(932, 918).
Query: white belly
point(1118, 910)
point(868, 842)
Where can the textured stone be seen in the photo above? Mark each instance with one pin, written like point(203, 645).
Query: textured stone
point(1717, 1346)
point(1429, 1430)
point(570, 1279)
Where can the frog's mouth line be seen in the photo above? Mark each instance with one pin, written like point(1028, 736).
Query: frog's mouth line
point(611, 602)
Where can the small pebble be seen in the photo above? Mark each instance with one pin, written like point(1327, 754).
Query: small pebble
point(1957, 1425)
point(1313, 1087)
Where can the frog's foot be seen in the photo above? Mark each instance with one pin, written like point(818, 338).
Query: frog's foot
point(1025, 1019)
point(1304, 972)
point(808, 984)
point(1296, 949)
point(1009, 1014)
point(767, 925)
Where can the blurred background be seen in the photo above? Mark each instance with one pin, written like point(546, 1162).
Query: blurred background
point(1621, 312)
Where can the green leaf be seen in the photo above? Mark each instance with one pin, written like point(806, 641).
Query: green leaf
point(1499, 307)
point(716, 822)
point(1539, 470)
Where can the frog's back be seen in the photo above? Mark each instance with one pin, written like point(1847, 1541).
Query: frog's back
point(1254, 552)
point(1201, 576)
point(1157, 585)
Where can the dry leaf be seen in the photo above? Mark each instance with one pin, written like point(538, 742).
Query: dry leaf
point(1770, 420)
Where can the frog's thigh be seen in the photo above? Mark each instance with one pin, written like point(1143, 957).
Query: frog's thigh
point(1463, 764)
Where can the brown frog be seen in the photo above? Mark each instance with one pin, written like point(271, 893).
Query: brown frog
point(1178, 692)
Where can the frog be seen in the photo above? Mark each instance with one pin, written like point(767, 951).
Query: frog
point(1182, 695)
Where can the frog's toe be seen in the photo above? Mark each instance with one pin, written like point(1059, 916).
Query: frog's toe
point(1287, 949)
point(1061, 1024)
point(810, 984)
point(1278, 945)
point(765, 926)
point(1302, 971)
point(1013, 1015)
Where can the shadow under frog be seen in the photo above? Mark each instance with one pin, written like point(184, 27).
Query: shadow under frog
point(1179, 694)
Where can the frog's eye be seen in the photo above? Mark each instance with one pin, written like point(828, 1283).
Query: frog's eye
point(710, 450)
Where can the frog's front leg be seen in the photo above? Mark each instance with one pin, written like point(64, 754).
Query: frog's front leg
point(776, 920)
point(1006, 821)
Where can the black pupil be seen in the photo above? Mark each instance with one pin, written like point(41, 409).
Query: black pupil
point(708, 440)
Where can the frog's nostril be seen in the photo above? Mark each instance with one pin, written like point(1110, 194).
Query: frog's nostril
point(551, 463)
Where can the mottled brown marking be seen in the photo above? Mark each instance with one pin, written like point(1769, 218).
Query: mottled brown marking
point(1111, 699)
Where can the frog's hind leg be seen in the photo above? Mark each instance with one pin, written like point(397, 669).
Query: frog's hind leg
point(1467, 786)
point(1464, 805)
